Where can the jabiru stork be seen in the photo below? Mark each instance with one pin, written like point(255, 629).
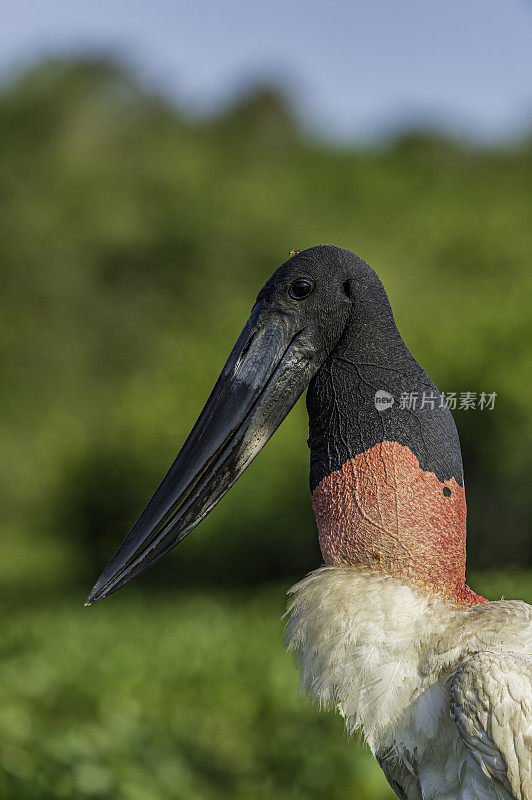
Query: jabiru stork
point(436, 677)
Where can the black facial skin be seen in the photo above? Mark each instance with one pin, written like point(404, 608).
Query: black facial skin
point(371, 356)
point(322, 313)
point(324, 318)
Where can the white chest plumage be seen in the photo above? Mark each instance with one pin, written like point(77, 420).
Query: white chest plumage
point(401, 667)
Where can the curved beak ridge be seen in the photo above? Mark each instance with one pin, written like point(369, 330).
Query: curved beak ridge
point(266, 372)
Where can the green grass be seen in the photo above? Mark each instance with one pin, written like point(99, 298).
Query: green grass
point(183, 697)
point(174, 696)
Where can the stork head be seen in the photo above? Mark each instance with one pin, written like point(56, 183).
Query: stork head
point(323, 317)
point(296, 321)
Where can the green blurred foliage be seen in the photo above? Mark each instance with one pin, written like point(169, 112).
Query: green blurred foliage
point(161, 699)
point(132, 244)
point(189, 697)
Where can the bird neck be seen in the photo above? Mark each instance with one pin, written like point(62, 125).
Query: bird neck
point(386, 469)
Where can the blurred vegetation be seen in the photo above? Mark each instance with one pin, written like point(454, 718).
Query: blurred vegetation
point(161, 700)
point(189, 697)
point(132, 243)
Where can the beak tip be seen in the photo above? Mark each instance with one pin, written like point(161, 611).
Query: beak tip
point(106, 584)
point(94, 596)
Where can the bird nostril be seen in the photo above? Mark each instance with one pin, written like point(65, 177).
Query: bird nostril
point(446, 491)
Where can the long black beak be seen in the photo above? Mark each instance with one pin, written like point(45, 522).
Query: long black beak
point(267, 370)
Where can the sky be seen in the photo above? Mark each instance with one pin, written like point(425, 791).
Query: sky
point(353, 70)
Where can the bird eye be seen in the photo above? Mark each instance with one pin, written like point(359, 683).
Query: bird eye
point(300, 289)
